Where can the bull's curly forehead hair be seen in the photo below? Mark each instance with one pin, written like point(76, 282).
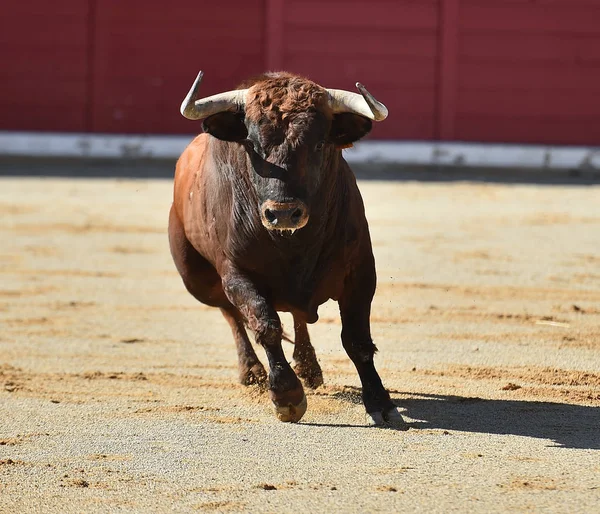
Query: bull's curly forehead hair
point(278, 96)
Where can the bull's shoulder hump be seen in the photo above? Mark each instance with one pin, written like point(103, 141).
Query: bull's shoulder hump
point(191, 159)
point(187, 169)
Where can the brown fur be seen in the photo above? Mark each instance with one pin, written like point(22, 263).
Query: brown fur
point(284, 100)
point(277, 97)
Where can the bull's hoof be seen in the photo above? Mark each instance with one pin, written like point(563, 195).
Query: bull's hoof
point(375, 419)
point(288, 398)
point(390, 417)
point(255, 375)
point(291, 413)
point(313, 381)
point(312, 378)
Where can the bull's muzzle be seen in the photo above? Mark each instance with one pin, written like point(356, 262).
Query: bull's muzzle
point(289, 216)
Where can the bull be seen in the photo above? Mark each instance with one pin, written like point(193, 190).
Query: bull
point(267, 217)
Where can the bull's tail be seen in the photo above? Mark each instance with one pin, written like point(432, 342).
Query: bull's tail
point(287, 338)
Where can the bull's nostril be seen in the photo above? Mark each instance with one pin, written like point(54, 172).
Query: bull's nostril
point(270, 216)
point(296, 215)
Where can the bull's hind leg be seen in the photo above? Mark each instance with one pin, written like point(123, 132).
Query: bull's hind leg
point(306, 364)
point(251, 371)
point(355, 310)
point(204, 283)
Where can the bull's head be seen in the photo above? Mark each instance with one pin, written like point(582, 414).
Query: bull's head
point(292, 130)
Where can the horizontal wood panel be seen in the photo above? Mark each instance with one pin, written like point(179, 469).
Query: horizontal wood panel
point(340, 42)
point(126, 119)
point(522, 76)
point(51, 10)
point(524, 70)
point(528, 72)
point(233, 13)
point(23, 114)
point(370, 6)
point(142, 76)
point(44, 72)
point(390, 46)
point(193, 42)
point(514, 129)
point(47, 91)
point(537, 3)
point(62, 34)
point(529, 103)
point(556, 17)
point(362, 14)
point(372, 72)
point(159, 61)
point(28, 64)
point(137, 63)
point(523, 46)
point(407, 127)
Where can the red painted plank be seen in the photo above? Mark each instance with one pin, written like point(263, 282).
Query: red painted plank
point(46, 63)
point(36, 92)
point(340, 42)
point(50, 10)
point(142, 75)
point(523, 76)
point(448, 69)
point(539, 3)
point(390, 46)
point(402, 126)
point(158, 44)
point(532, 103)
point(526, 71)
point(45, 118)
point(378, 72)
point(526, 46)
point(362, 14)
point(43, 73)
point(561, 18)
point(377, 6)
point(514, 129)
point(62, 34)
point(274, 34)
point(187, 13)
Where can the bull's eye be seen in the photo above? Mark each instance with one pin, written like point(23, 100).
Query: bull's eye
point(319, 146)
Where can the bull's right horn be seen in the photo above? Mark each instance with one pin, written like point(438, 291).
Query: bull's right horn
point(193, 108)
point(364, 104)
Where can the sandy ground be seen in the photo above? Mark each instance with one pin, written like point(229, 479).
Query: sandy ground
point(118, 391)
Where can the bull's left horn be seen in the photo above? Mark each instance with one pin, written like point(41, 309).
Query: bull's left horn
point(193, 108)
point(364, 104)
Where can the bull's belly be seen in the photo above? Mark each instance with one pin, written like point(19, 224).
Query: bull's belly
point(305, 306)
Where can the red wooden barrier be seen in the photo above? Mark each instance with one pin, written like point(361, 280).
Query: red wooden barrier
point(44, 70)
point(472, 70)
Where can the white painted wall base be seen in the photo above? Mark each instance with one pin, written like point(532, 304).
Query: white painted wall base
point(37, 144)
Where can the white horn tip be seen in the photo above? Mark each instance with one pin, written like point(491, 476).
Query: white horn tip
point(379, 110)
point(186, 108)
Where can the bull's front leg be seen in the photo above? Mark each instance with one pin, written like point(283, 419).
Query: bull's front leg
point(355, 310)
point(285, 389)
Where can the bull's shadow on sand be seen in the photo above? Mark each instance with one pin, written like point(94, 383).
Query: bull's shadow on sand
point(563, 425)
point(144, 168)
point(566, 425)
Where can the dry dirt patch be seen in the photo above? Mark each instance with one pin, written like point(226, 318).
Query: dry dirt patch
point(118, 390)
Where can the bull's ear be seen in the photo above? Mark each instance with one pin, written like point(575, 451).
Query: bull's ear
point(227, 126)
point(346, 128)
